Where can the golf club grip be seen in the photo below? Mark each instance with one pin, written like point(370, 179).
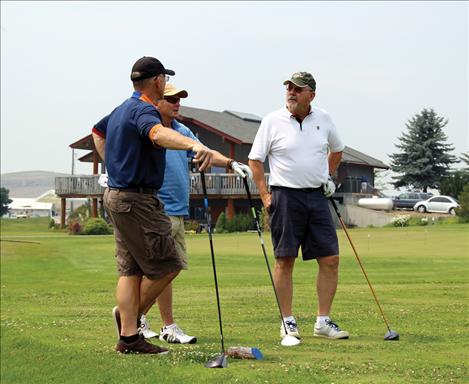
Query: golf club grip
point(335, 206)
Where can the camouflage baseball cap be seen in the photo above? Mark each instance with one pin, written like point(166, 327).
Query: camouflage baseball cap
point(302, 79)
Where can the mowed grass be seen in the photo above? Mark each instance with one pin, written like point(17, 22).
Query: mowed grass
point(57, 296)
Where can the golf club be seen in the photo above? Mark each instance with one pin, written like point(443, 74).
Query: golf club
point(288, 340)
point(390, 335)
point(219, 361)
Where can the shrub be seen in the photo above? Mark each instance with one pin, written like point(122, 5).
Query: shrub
point(52, 224)
point(96, 226)
point(75, 227)
point(414, 221)
point(241, 222)
point(463, 198)
point(220, 226)
point(191, 225)
point(401, 221)
point(264, 220)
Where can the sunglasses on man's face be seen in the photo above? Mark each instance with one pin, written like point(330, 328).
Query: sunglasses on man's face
point(172, 99)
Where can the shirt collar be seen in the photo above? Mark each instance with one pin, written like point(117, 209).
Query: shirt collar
point(293, 116)
point(139, 95)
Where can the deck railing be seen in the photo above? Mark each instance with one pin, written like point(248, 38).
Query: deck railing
point(216, 183)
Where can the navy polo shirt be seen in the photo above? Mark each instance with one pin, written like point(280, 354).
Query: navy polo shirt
point(132, 160)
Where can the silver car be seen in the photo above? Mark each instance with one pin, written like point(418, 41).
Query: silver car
point(440, 204)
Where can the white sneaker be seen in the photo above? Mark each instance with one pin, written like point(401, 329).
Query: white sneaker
point(144, 328)
point(292, 329)
point(175, 335)
point(330, 330)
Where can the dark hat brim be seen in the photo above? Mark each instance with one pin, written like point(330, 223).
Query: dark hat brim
point(169, 72)
point(301, 84)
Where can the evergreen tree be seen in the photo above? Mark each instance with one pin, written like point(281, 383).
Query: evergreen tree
point(4, 200)
point(424, 160)
point(465, 159)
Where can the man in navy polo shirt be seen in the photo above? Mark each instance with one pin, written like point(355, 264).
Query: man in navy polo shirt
point(132, 142)
point(175, 195)
point(304, 150)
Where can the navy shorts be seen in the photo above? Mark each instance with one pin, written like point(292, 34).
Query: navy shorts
point(302, 218)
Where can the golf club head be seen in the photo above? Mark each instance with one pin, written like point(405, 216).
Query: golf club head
point(391, 335)
point(290, 341)
point(219, 361)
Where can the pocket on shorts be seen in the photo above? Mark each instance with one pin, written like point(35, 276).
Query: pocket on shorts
point(120, 206)
point(158, 245)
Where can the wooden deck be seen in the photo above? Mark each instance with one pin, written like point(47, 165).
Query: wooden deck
point(221, 185)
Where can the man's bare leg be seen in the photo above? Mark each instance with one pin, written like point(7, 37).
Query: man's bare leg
point(283, 280)
point(326, 283)
point(165, 305)
point(127, 295)
point(151, 289)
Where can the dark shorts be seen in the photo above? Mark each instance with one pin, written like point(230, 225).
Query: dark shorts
point(144, 245)
point(302, 218)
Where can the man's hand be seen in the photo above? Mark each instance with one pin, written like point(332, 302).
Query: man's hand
point(203, 156)
point(266, 200)
point(241, 169)
point(328, 187)
point(102, 181)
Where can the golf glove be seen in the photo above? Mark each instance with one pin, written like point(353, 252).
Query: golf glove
point(328, 187)
point(102, 181)
point(241, 169)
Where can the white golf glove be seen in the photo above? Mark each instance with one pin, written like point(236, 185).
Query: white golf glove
point(241, 169)
point(102, 181)
point(328, 187)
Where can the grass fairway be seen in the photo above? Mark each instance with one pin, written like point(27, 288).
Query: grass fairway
point(57, 296)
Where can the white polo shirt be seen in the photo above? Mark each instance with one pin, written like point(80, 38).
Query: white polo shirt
point(298, 153)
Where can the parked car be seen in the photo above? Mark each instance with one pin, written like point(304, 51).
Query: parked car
point(407, 200)
point(442, 204)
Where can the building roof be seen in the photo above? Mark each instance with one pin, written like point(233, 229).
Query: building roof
point(238, 127)
point(24, 203)
point(84, 143)
point(353, 156)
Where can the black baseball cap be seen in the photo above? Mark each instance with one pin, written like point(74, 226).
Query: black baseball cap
point(147, 67)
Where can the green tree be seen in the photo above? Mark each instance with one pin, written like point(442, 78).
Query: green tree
point(465, 159)
point(424, 159)
point(453, 184)
point(463, 211)
point(4, 200)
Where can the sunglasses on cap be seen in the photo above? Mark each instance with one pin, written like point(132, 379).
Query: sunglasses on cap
point(172, 99)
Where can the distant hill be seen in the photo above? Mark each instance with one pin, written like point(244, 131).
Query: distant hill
point(29, 184)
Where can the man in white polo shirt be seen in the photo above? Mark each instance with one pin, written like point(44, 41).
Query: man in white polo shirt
point(304, 150)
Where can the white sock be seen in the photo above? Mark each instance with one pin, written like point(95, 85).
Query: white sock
point(170, 326)
point(321, 320)
point(289, 318)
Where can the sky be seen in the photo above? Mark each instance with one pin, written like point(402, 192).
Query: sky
point(64, 65)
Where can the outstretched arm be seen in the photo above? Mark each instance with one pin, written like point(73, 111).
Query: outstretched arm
point(169, 138)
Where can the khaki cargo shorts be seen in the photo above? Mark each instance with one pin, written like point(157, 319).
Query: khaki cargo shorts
point(144, 245)
point(177, 223)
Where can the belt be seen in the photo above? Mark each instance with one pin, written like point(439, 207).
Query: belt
point(298, 189)
point(149, 191)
